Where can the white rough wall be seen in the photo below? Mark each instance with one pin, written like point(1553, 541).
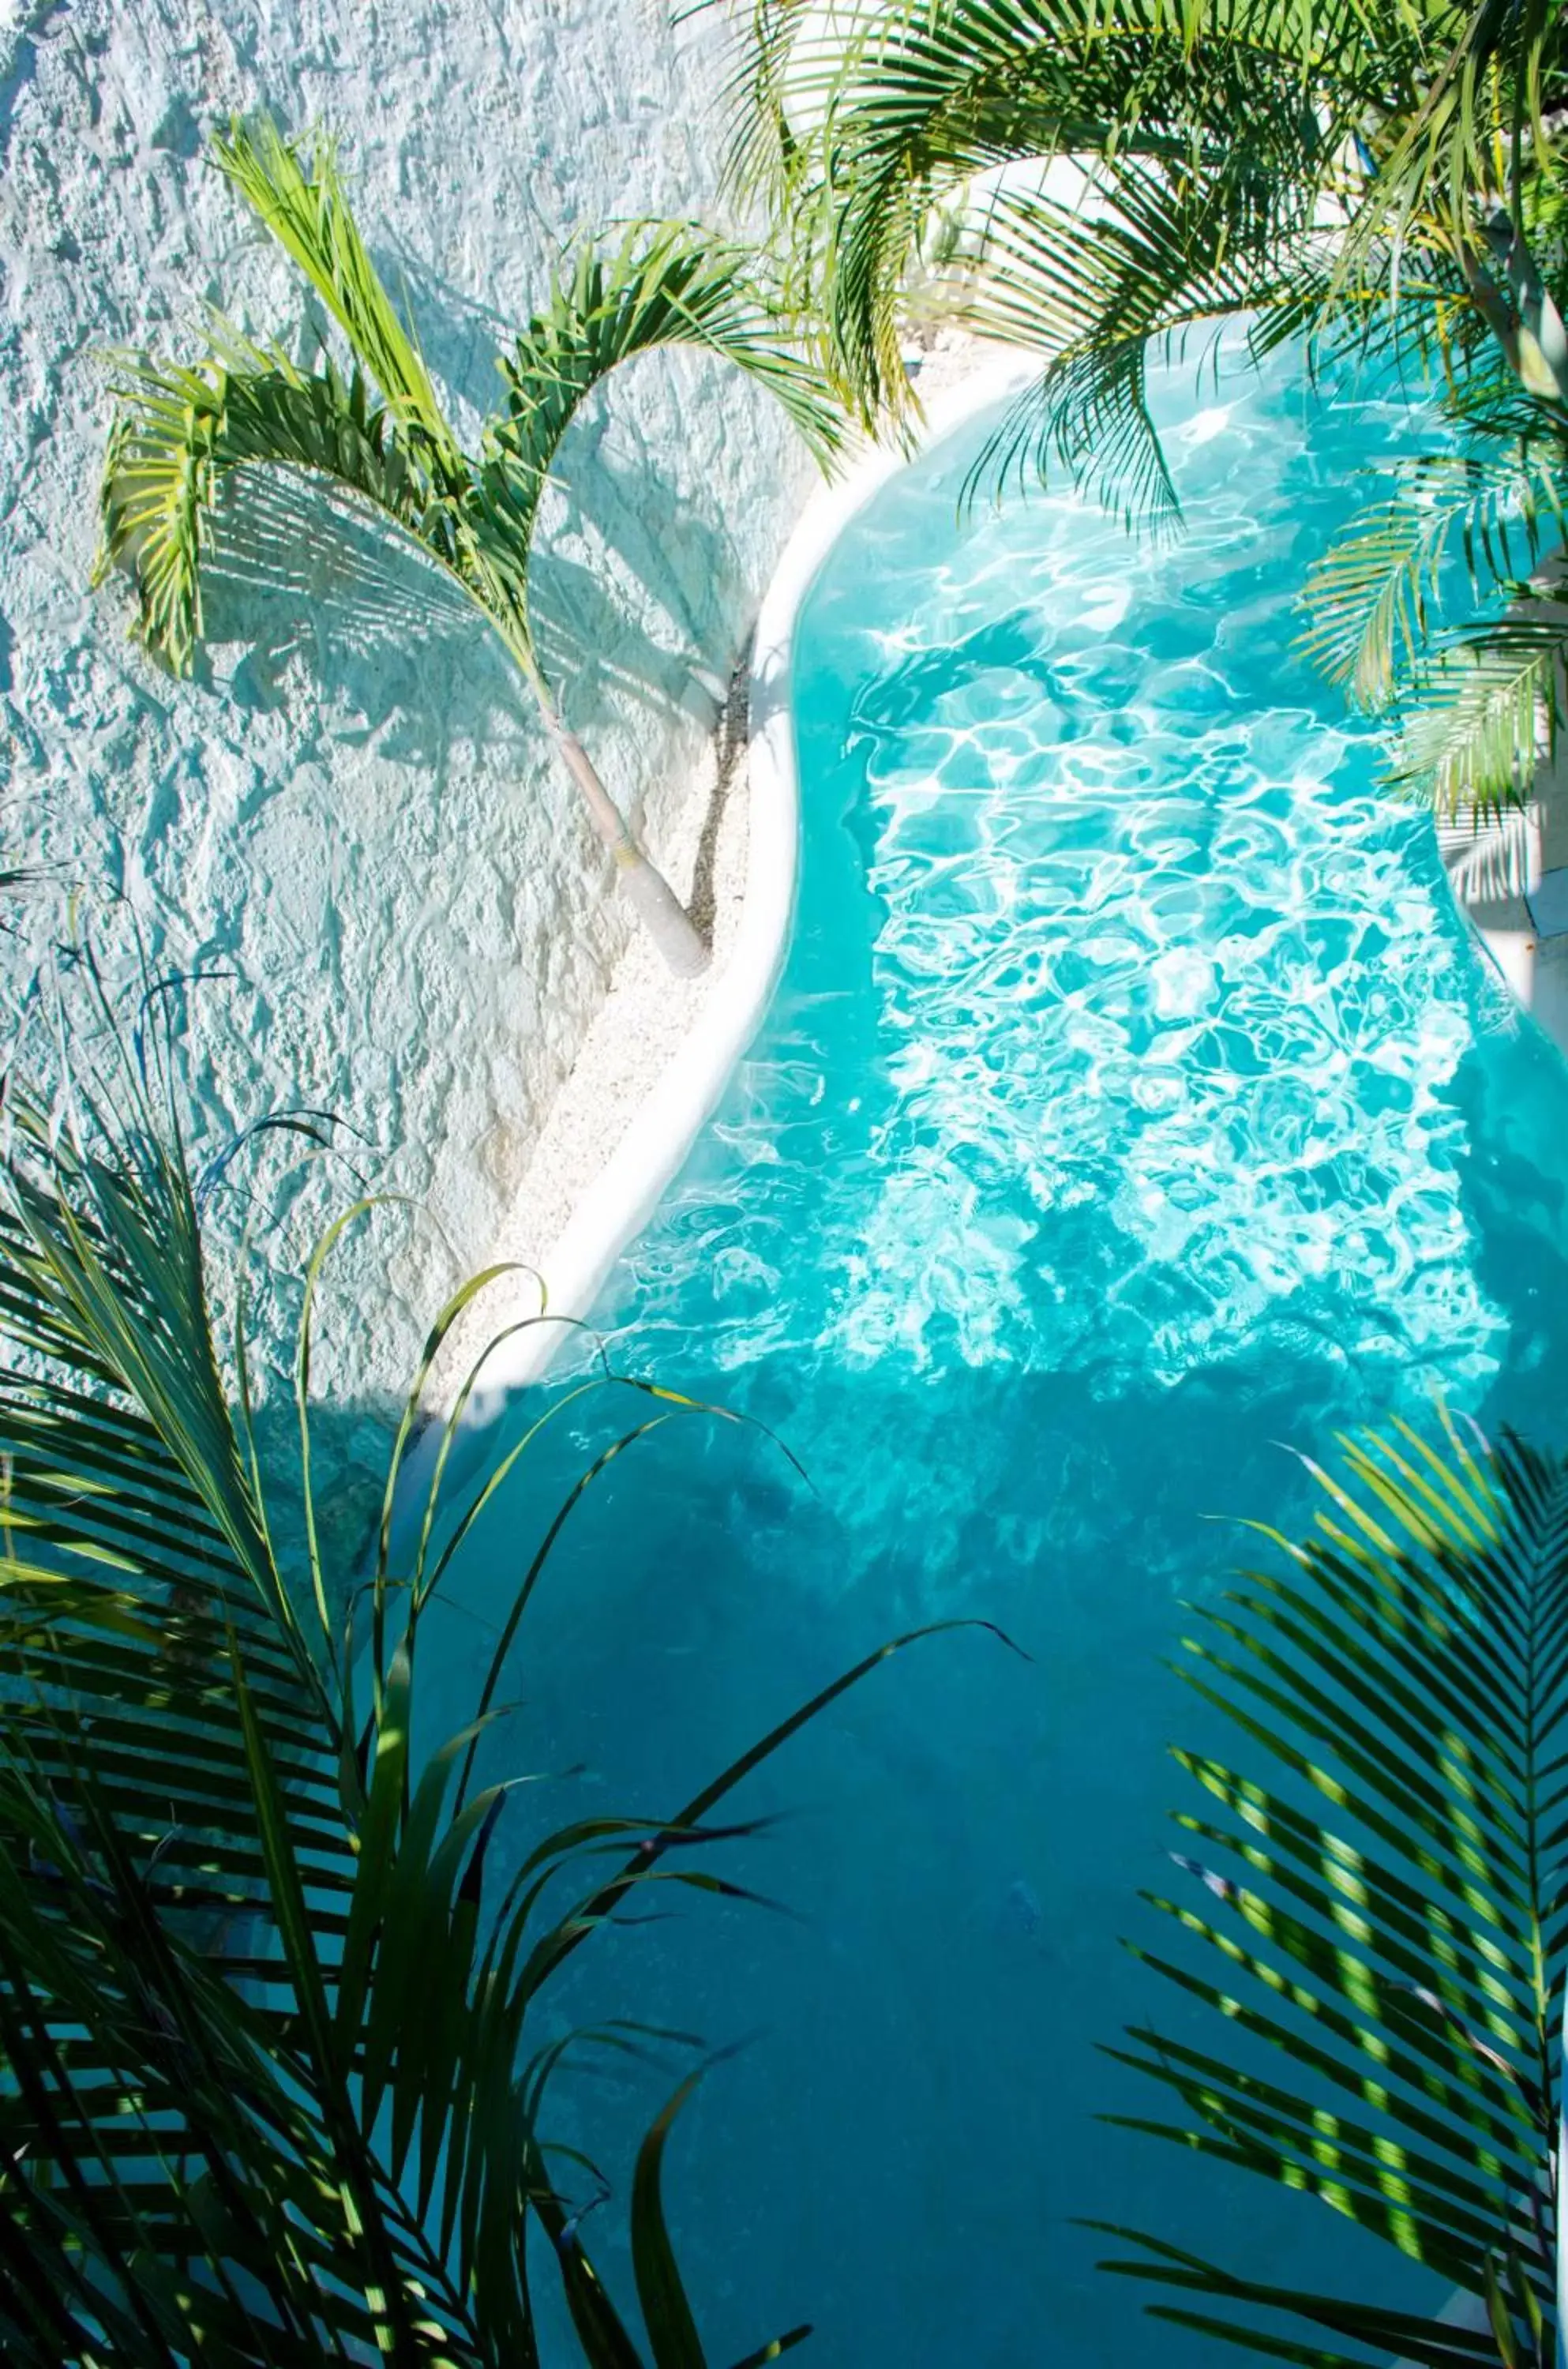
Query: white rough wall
point(350, 805)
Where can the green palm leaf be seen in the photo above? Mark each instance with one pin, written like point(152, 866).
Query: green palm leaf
point(307, 210)
point(914, 101)
point(1480, 714)
point(667, 284)
point(1370, 1907)
point(1377, 180)
point(268, 2085)
point(1165, 256)
point(1472, 94)
point(182, 428)
point(1375, 596)
point(671, 2327)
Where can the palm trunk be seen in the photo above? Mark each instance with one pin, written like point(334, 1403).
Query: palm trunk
point(658, 908)
point(1518, 310)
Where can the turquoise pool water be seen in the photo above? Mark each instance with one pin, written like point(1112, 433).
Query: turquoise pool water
point(1134, 1107)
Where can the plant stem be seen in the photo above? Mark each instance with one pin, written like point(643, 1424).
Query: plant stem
point(658, 909)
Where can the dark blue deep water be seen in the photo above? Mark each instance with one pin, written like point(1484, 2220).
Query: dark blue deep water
point(1134, 1108)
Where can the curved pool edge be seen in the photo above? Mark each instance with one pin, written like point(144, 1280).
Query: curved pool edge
point(614, 1209)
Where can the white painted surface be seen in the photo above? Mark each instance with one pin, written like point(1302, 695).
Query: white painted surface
point(351, 807)
point(1509, 875)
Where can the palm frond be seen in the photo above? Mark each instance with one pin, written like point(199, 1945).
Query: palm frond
point(1369, 1904)
point(182, 428)
point(268, 2091)
point(1377, 593)
point(1470, 127)
point(1482, 712)
point(667, 284)
point(1145, 261)
point(306, 208)
point(1373, 136)
point(767, 156)
point(910, 102)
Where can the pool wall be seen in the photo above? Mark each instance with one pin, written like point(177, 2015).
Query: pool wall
point(350, 807)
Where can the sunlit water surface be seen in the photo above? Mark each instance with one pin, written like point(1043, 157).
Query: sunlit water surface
point(1133, 1106)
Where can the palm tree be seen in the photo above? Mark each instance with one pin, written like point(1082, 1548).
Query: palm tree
point(378, 434)
point(1384, 181)
point(1369, 1911)
point(270, 2085)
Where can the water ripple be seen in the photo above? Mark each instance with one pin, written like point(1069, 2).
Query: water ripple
point(1125, 1016)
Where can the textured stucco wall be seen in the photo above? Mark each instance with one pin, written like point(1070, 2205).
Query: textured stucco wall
point(350, 805)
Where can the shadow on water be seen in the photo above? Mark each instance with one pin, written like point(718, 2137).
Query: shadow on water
point(1510, 1179)
point(902, 2147)
point(906, 2140)
point(906, 695)
point(919, 1244)
point(916, 1244)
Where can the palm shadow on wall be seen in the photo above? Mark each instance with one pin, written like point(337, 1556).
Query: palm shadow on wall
point(300, 573)
point(666, 539)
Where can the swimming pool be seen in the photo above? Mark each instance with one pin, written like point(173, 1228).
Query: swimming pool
point(1134, 1102)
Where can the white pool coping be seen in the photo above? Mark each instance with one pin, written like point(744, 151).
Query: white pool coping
point(619, 1202)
